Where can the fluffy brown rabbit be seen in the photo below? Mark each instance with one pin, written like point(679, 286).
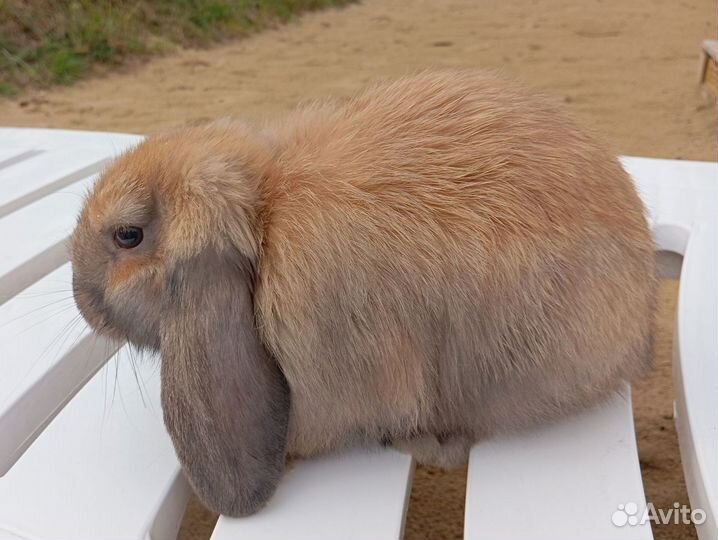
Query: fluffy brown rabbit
point(440, 258)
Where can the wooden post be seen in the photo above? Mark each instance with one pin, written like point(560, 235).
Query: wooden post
point(709, 67)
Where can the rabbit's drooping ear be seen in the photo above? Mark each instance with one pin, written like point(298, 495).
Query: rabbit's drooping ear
point(225, 401)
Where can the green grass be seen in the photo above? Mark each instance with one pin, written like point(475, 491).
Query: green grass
point(46, 42)
point(7, 90)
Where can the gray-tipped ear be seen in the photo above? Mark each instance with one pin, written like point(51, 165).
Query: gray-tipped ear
point(225, 401)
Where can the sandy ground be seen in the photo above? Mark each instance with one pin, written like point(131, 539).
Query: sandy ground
point(626, 69)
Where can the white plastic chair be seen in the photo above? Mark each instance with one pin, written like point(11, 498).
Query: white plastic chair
point(84, 454)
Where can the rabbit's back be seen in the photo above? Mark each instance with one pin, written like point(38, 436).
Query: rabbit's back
point(446, 253)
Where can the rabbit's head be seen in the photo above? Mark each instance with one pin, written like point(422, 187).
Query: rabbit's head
point(164, 255)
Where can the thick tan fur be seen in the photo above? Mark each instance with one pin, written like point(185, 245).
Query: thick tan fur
point(438, 259)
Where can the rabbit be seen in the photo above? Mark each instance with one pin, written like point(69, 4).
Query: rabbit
point(441, 258)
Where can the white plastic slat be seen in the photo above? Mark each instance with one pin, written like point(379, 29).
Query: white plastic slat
point(48, 353)
point(695, 368)
point(36, 237)
point(675, 191)
point(558, 482)
point(60, 139)
point(672, 173)
point(357, 495)
point(676, 194)
point(40, 175)
point(103, 469)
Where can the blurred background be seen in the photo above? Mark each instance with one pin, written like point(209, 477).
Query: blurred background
point(629, 70)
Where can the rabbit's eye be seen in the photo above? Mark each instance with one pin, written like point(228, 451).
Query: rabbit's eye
point(128, 237)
